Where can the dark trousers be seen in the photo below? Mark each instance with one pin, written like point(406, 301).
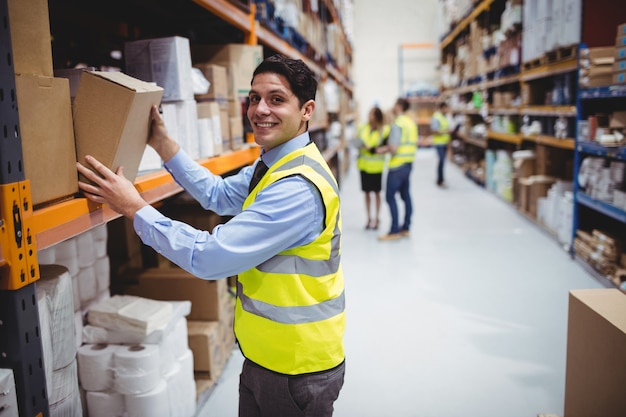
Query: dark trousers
point(441, 153)
point(398, 182)
point(263, 393)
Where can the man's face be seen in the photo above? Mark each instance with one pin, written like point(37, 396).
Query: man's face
point(274, 111)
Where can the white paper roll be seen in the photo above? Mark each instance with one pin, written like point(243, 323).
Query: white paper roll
point(174, 344)
point(100, 240)
point(102, 267)
point(181, 389)
point(86, 249)
point(46, 256)
point(56, 283)
point(95, 366)
point(154, 403)
point(105, 404)
point(87, 284)
point(66, 254)
point(136, 368)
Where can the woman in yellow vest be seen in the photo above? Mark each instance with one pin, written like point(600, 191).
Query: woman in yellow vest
point(371, 164)
point(440, 126)
point(283, 241)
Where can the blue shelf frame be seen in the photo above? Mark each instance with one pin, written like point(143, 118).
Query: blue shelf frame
point(602, 207)
point(596, 149)
point(610, 91)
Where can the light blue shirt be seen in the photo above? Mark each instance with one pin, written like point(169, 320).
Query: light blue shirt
point(286, 214)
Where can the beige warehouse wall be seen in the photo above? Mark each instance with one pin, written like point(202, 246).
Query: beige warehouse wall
point(380, 27)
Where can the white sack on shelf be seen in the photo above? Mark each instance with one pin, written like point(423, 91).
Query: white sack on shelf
point(64, 383)
point(131, 314)
point(55, 282)
point(45, 326)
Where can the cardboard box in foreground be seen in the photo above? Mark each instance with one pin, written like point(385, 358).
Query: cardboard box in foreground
point(595, 374)
point(112, 119)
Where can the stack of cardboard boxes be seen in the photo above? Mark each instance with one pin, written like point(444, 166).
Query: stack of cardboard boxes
point(44, 108)
point(604, 252)
point(619, 66)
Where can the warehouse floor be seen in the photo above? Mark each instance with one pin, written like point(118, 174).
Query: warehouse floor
point(466, 317)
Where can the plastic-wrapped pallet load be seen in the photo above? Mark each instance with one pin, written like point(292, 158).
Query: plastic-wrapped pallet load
point(56, 310)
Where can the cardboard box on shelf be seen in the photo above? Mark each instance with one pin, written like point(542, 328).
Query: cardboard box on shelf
point(175, 284)
point(619, 77)
point(595, 371)
point(165, 61)
point(240, 61)
point(48, 151)
point(236, 133)
point(73, 75)
point(620, 53)
point(30, 37)
point(204, 338)
point(217, 76)
point(112, 119)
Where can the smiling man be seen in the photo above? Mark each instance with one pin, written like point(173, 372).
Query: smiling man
point(283, 243)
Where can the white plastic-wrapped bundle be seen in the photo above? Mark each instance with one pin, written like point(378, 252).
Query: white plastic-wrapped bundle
point(55, 282)
point(65, 395)
point(130, 314)
point(45, 326)
point(86, 249)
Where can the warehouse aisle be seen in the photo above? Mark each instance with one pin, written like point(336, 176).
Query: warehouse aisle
point(467, 317)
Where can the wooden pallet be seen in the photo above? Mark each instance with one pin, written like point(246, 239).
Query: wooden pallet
point(559, 54)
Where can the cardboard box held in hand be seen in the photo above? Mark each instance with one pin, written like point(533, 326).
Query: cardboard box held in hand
point(112, 119)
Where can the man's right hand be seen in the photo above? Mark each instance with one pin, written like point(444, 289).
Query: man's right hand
point(159, 139)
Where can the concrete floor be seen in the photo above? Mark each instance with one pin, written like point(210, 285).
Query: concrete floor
point(466, 318)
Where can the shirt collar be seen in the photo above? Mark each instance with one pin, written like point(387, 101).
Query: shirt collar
point(270, 157)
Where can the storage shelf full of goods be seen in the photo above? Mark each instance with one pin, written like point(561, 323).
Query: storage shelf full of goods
point(600, 183)
point(94, 36)
point(510, 73)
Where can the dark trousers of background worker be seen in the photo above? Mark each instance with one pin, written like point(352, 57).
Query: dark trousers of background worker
point(442, 150)
point(398, 182)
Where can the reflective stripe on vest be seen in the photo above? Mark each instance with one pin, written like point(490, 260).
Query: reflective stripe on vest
point(290, 310)
point(444, 125)
point(368, 162)
point(405, 153)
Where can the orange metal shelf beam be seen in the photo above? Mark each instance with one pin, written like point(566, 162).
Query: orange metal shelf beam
point(464, 23)
point(69, 218)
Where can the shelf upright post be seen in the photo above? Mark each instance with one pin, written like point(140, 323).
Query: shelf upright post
point(20, 335)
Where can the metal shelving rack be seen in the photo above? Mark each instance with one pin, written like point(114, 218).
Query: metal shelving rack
point(20, 338)
point(24, 230)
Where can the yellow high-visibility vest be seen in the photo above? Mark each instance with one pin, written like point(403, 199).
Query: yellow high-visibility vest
point(405, 154)
point(369, 162)
point(444, 125)
point(290, 309)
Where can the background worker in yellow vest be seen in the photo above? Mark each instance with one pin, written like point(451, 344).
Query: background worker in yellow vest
point(402, 145)
point(371, 164)
point(440, 127)
point(283, 242)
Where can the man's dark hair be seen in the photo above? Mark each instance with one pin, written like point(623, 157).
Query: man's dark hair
point(442, 105)
point(301, 79)
point(403, 103)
